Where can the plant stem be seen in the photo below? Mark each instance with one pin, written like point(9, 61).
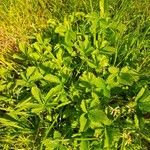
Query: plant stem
point(47, 132)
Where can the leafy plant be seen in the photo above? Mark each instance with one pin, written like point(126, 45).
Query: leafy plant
point(76, 86)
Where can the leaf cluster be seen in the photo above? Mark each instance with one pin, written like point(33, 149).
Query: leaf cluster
point(76, 86)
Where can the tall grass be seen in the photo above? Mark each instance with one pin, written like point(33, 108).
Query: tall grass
point(19, 19)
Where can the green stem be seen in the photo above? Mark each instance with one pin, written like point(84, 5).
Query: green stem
point(47, 132)
point(103, 6)
point(91, 5)
point(145, 137)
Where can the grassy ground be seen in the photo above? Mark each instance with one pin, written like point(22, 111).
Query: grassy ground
point(75, 80)
point(19, 19)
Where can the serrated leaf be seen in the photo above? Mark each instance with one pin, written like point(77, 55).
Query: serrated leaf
point(98, 116)
point(127, 76)
point(50, 144)
point(95, 101)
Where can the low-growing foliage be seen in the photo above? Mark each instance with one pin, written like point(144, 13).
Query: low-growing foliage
point(78, 85)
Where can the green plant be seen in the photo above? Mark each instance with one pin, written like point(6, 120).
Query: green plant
point(78, 85)
point(20, 19)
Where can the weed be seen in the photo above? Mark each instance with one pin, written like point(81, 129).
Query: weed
point(77, 85)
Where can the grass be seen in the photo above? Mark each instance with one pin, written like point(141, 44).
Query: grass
point(75, 80)
point(21, 18)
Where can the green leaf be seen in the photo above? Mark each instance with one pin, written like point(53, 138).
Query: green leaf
point(144, 104)
point(113, 70)
point(36, 94)
point(106, 140)
point(52, 92)
point(83, 122)
point(143, 99)
point(22, 47)
point(136, 121)
point(125, 79)
point(70, 37)
point(91, 64)
point(35, 56)
point(98, 116)
point(6, 122)
point(37, 46)
point(83, 106)
point(21, 83)
point(35, 76)
point(52, 78)
point(95, 101)
point(61, 29)
point(52, 22)
point(84, 145)
point(63, 104)
point(23, 76)
point(30, 71)
point(140, 94)
point(112, 80)
point(18, 56)
point(39, 38)
point(50, 144)
point(127, 76)
point(57, 135)
point(111, 137)
point(4, 98)
point(59, 56)
point(37, 109)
